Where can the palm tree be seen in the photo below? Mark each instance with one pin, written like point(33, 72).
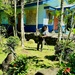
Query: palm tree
point(22, 23)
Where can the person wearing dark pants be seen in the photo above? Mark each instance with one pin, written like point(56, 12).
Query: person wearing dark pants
point(43, 33)
point(40, 43)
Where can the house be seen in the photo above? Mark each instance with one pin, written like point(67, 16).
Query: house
point(45, 8)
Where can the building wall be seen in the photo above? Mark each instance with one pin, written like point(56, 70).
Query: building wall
point(53, 3)
point(30, 17)
point(30, 26)
point(41, 13)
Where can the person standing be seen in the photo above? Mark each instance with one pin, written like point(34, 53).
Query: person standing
point(43, 33)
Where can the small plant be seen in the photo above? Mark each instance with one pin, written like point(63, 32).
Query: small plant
point(3, 30)
point(2, 43)
point(19, 66)
point(11, 43)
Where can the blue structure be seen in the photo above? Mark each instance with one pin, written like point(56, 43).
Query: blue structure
point(46, 7)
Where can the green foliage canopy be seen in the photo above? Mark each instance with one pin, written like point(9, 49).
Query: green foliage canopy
point(6, 7)
point(71, 1)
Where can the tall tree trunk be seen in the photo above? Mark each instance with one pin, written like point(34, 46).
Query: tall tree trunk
point(60, 29)
point(0, 23)
point(61, 20)
point(37, 15)
point(15, 26)
point(0, 27)
point(22, 24)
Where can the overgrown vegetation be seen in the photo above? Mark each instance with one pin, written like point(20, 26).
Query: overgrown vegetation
point(19, 66)
point(2, 43)
point(11, 43)
point(35, 60)
point(68, 68)
point(69, 49)
point(64, 49)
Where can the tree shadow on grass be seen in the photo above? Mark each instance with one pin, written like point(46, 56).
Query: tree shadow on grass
point(31, 48)
point(34, 59)
point(52, 58)
point(43, 65)
point(37, 62)
point(35, 48)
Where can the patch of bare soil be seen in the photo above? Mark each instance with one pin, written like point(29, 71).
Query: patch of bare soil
point(50, 71)
point(25, 52)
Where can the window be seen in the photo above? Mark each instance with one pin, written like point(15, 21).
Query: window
point(31, 17)
point(49, 16)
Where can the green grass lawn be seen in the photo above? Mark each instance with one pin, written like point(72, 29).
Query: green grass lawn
point(39, 60)
point(2, 57)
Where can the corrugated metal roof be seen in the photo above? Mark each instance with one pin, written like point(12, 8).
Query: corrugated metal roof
point(66, 6)
point(71, 6)
point(57, 4)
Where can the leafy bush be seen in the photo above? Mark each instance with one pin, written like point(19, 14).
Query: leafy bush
point(2, 43)
point(3, 30)
point(69, 67)
point(65, 49)
point(19, 66)
point(11, 42)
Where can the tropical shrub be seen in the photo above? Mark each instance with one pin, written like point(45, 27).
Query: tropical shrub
point(3, 30)
point(2, 37)
point(19, 66)
point(64, 49)
point(69, 67)
point(2, 43)
point(11, 42)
